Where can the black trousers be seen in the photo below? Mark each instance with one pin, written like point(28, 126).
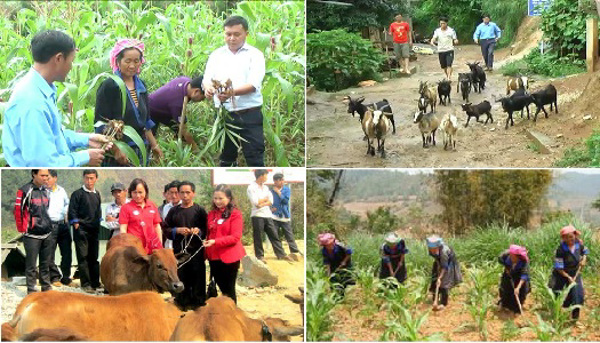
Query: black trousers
point(35, 248)
point(442, 297)
point(287, 233)
point(225, 275)
point(193, 276)
point(487, 51)
point(62, 236)
point(86, 249)
point(259, 225)
point(250, 126)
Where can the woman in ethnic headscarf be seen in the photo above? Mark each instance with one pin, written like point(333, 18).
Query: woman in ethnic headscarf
point(126, 58)
point(338, 260)
point(445, 272)
point(570, 257)
point(392, 258)
point(514, 283)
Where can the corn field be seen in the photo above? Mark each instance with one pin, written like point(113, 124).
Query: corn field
point(178, 36)
point(374, 310)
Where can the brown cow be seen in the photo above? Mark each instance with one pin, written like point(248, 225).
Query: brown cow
point(140, 316)
point(222, 320)
point(127, 268)
point(61, 334)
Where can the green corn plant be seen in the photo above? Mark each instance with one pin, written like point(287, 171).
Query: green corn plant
point(406, 328)
point(479, 311)
point(481, 280)
point(368, 284)
point(320, 302)
point(418, 283)
point(546, 332)
point(510, 331)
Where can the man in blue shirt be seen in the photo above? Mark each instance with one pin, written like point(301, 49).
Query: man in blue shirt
point(33, 135)
point(487, 34)
point(281, 212)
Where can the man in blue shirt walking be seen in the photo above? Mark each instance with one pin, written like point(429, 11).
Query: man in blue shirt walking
point(281, 212)
point(486, 35)
point(33, 135)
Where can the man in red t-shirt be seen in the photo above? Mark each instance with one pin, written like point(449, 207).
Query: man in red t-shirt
point(402, 36)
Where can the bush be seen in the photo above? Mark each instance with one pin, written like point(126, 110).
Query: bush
point(548, 64)
point(564, 26)
point(338, 59)
point(588, 156)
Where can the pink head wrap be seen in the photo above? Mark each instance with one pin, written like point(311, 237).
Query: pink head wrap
point(569, 229)
point(122, 45)
point(519, 251)
point(326, 238)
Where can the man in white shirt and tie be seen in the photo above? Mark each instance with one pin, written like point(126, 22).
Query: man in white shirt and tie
point(244, 65)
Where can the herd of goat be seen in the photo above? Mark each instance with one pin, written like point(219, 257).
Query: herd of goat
point(377, 119)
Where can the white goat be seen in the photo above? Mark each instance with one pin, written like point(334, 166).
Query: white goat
point(449, 126)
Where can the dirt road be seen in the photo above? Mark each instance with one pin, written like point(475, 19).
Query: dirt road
point(335, 137)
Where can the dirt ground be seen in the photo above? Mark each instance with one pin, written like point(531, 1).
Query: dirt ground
point(453, 322)
point(335, 137)
point(256, 302)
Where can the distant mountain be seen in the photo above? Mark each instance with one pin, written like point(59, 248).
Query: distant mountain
point(382, 185)
point(573, 183)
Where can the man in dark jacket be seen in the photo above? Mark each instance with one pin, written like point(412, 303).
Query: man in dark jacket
point(31, 215)
point(85, 215)
point(185, 224)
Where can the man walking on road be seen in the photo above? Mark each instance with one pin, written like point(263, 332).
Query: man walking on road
point(402, 37)
point(445, 37)
point(486, 35)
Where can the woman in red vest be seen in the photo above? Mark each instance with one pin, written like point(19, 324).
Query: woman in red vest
point(140, 217)
point(223, 244)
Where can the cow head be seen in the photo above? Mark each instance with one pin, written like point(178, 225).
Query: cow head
point(281, 330)
point(162, 270)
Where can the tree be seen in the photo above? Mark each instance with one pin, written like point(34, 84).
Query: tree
point(476, 198)
point(362, 13)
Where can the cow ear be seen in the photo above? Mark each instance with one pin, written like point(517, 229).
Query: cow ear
point(142, 259)
point(288, 331)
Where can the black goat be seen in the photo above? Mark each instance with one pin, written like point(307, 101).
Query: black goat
point(478, 76)
point(444, 90)
point(513, 103)
point(478, 110)
point(546, 96)
point(464, 81)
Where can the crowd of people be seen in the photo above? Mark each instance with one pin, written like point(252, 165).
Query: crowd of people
point(570, 257)
point(49, 218)
point(486, 35)
point(34, 136)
